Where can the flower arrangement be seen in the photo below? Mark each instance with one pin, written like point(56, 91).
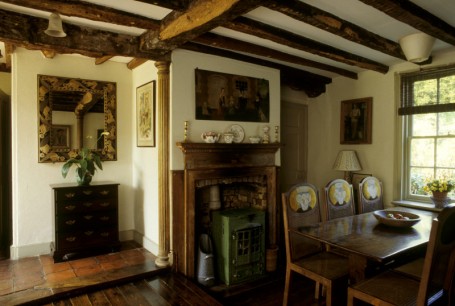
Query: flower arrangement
point(439, 185)
point(86, 163)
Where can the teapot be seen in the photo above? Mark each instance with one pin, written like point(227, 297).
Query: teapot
point(210, 137)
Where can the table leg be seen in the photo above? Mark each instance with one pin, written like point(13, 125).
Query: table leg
point(357, 266)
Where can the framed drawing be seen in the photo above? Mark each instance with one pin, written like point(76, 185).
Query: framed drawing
point(61, 137)
point(229, 97)
point(145, 115)
point(355, 121)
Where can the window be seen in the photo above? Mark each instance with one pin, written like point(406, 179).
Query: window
point(428, 107)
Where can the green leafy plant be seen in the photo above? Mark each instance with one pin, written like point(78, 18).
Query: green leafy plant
point(86, 164)
point(441, 185)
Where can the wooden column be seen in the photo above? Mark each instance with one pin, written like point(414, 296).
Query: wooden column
point(163, 89)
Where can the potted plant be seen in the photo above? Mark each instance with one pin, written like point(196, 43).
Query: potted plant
point(439, 188)
point(86, 163)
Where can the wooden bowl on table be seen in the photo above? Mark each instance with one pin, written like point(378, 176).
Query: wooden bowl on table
point(396, 218)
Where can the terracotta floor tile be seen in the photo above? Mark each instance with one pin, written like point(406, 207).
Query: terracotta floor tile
point(60, 276)
point(46, 260)
point(108, 257)
point(6, 284)
point(5, 275)
point(112, 265)
point(87, 271)
point(85, 262)
point(60, 266)
point(28, 283)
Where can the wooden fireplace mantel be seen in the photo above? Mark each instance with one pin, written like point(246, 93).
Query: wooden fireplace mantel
point(214, 161)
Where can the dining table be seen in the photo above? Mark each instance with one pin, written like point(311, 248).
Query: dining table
point(368, 243)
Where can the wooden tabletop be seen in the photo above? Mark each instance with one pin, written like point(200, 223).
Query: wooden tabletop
point(364, 239)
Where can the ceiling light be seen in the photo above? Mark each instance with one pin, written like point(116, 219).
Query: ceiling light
point(55, 28)
point(417, 47)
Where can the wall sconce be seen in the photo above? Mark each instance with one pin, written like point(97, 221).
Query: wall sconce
point(55, 28)
point(347, 161)
point(417, 47)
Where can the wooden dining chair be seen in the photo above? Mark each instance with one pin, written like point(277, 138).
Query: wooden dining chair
point(339, 199)
point(437, 279)
point(305, 256)
point(370, 195)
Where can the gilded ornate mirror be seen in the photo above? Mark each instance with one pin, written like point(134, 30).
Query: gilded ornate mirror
point(74, 113)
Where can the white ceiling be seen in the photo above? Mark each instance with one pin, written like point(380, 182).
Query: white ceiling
point(353, 11)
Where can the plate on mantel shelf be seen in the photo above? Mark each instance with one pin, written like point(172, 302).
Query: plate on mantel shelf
point(239, 133)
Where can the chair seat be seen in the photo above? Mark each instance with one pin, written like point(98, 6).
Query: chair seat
point(324, 265)
point(390, 287)
point(413, 268)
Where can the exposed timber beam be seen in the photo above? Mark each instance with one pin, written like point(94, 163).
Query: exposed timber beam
point(202, 16)
point(176, 5)
point(292, 40)
point(415, 16)
point(28, 32)
point(219, 41)
point(48, 53)
point(312, 84)
point(83, 9)
point(103, 59)
point(335, 25)
point(135, 62)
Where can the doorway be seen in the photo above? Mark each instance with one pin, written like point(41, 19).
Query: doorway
point(5, 178)
point(294, 136)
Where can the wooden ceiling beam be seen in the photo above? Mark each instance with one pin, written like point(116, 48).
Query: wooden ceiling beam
point(335, 25)
point(103, 59)
point(176, 5)
point(313, 84)
point(292, 40)
point(28, 32)
point(48, 53)
point(87, 10)
point(201, 16)
point(415, 16)
point(232, 44)
point(136, 62)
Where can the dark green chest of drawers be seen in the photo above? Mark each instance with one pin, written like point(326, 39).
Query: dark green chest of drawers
point(85, 220)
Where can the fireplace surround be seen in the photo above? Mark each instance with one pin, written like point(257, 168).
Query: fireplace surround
point(230, 166)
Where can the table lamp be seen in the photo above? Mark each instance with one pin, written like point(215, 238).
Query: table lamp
point(347, 161)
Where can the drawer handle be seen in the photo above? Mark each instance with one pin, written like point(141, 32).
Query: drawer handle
point(104, 218)
point(70, 195)
point(71, 239)
point(104, 192)
point(105, 204)
point(105, 234)
point(88, 217)
point(87, 204)
point(70, 207)
point(70, 222)
point(88, 233)
point(87, 192)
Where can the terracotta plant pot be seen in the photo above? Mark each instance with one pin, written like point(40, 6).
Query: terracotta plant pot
point(440, 199)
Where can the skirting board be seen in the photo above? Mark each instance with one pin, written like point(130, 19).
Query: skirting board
point(18, 252)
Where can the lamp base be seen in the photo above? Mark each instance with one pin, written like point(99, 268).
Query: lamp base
point(348, 176)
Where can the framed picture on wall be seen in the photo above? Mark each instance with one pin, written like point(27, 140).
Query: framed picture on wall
point(145, 115)
point(355, 121)
point(61, 136)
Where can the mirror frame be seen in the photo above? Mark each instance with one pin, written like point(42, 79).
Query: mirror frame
point(47, 84)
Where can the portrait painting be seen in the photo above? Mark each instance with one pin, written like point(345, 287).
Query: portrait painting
point(145, 115)
point(228, 97)
point(340, 193)
point(371, 188)
point(302, 199)
point(61, 137)
point(355, 121)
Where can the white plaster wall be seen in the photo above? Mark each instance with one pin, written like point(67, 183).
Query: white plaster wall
point(183, 68)
point(32, 196)
point(378, 158)
point(145, 170)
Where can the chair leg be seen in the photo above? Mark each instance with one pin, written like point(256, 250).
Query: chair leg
point(328, 295)
point(286, 286)
point(350, 297)
point(317, 291)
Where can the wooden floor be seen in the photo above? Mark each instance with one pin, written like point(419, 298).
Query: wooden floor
point(128, 277)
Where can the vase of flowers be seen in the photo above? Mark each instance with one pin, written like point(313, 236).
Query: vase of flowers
point(439, 188)
point(86, 162)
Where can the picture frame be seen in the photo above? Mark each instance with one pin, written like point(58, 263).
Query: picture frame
point(61, 137)
point(145, 114)
point(356, 121)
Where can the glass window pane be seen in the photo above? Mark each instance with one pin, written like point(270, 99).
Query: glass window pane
point(425, 92)
point(422, 152)
point(445, 149)
point(419, 177)
point(424, 125)
point(446, 123)
point(446, 92)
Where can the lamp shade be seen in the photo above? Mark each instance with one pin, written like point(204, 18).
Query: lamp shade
point(55, 28)
point(417, 47)
point(347, 161)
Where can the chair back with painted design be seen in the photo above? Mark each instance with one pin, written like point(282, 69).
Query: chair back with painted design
point(339, 199)
point(370, 195)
